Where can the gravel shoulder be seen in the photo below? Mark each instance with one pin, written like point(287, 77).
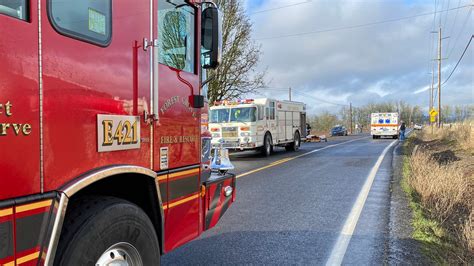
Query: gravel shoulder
point(403, 249)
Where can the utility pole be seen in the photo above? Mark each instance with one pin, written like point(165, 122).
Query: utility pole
point(432, 89)
point(350, 115)
point(289, 93)
point(439, 77)
point(440, 38)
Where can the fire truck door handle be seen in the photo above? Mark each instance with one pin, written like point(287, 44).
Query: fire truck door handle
point(147, 43)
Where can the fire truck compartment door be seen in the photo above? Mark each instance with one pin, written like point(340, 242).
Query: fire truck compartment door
point(220, 194)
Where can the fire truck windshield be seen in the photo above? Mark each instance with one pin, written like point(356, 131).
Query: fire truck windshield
point(219, 115)
point(238, 114)
point(246, 114)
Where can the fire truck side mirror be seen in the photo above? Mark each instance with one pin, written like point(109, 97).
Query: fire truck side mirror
point(211, 37)
point(196, 101)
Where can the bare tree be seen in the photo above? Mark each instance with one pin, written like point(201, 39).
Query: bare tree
point(323, 123)
point(236, 75)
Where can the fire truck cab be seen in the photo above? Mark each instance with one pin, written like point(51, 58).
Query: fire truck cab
point(104, 142)
point(258, 124)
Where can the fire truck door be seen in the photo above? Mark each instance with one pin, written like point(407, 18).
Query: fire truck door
point(281, 126)
point(177, 137)
point(272, 120)
point(19, 99)
point(303, 129)
point(289, 125)
point(94, 64)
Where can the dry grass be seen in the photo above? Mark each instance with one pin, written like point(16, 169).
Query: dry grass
point(462, 134)
point(441, 174)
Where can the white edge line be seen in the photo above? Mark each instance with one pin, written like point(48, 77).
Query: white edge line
point(340, 248)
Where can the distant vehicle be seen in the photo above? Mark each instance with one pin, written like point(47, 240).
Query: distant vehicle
point(258, 124)
point(418, 127)
point(384, 124)
point(339, 131)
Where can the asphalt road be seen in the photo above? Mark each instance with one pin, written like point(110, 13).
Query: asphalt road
point(315, 206)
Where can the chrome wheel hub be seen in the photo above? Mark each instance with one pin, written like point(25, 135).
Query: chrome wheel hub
point(120, 254)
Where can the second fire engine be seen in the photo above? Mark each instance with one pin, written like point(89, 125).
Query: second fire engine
point(258, 124)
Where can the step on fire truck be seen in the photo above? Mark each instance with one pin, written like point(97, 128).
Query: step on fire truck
point(258, 124)
point(384, 124)
point(104, 145)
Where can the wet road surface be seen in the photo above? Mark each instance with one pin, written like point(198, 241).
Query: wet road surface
point(305, 207)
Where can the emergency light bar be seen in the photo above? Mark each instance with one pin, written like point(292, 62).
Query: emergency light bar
point(229, 103)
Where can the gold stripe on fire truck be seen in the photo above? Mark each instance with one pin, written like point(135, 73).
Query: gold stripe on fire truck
point(27, 258)
point(23, 259)
point(6, 212)
point(179, 202)
point(182, 173)
point(162, 177)
point(33, 206)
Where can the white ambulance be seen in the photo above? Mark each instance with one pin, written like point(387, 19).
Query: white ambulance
point(384, 124)
point(258, 124)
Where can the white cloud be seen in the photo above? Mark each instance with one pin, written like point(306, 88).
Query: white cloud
point(381, 62)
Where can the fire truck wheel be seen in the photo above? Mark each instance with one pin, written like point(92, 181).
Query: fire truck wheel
point(267, 145)
point(295, 145)
point(107, 231)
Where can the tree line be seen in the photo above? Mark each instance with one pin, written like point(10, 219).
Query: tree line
point(410, 114)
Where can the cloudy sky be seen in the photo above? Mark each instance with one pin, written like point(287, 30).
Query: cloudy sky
point(320, 49)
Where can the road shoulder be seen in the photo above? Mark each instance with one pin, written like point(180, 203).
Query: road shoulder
point(403, 249)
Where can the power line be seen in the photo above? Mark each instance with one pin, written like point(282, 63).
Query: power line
point(280, 7)
point(304, 94)
point(360, 25)
point(446, 16)
point(460, 32)
point(318, 99)
point(465, 49)
point(452, 27)
point(434, 15)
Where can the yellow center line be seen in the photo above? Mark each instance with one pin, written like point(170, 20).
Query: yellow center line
point(292, 158)
point(282, 160)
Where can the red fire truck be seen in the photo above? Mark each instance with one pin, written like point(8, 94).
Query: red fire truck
point(104, 149)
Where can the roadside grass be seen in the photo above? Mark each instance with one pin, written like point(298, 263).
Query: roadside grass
point(438, 180)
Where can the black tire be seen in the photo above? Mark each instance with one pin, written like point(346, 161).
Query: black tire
point(94, 224)
point(295, 145)
point(374, 137)
point(267, 145)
